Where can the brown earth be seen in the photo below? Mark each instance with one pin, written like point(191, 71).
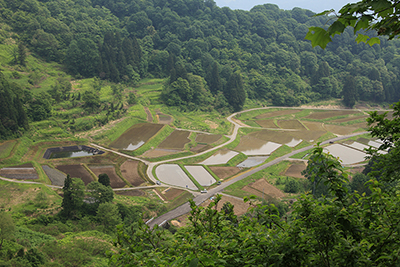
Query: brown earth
point(266, 123)
point(20, 173)
point(261, 187)
point(155, 153)
point(130, 173)
point(76, 171)
point(176, 140)
point(171, 193)
point(352, 118)
point(340, 130)
point(131, 193)
point(291, 124)
point(314, 126)
point(207, 138)
point(224, 172)
point(163, 118)
point(295, 170)
point(212, 124)
point(240, 207)
point(115, 180)
point(200, 148)
point(149, 116)
point(277, 113)
point(320, 115)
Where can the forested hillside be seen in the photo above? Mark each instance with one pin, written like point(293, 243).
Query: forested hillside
point(216, 57)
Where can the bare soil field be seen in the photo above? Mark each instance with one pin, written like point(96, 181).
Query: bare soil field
point(261, 187)
point(171, 193)
point(291, 124)
point(352, 118)
point(20, 173)
point(155, 153)
point(240, 207)
point(149, 116)
point(309, 136)
point(325, 114)
point(200, 148)
point(76, 171)
point(131, 193)
point(295, 170)
point(176, 140)
point(56, 177)
point(163, 118)
point(224, 172)
point(130, 173)
point(115, 180)
point(277, 113)
point(266, 123)
point(207, 138)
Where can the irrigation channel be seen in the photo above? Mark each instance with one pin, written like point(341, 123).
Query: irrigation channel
point(200, 198)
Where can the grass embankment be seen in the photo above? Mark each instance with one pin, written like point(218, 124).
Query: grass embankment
point(6, 148)
point(200, 187)
point(153, 142)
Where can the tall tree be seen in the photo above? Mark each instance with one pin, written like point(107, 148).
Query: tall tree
point(215, 82)
point(234, 91)
point(349, 91)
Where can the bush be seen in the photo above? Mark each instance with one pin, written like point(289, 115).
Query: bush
point(291, 186)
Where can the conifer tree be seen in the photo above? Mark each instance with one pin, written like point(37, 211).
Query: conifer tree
point(349, 92)
point(215, 82)
point(234, 92)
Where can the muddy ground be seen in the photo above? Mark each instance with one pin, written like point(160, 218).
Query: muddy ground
point(130, 173)
point(224, 172)
point(261, 188)
point(76, 171)
point(115, 180)
point(171, 193)
point(295, 170)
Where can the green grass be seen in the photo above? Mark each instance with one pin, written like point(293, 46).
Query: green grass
point(173, 156)
point(181, 199)
point(302, 155)
point(250, 115)
point(326, 136)
point(236, 160)
point(283, 150)
point(6, 148)
point(153, 142)
point(117, 130)
point(19, 151)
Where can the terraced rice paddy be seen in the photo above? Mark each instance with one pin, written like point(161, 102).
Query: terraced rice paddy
point(224, 172)
point(202, 176)
point(172, 174)
point(136, 136)
point(277, 113)
point(340, 130)
point(76, 171)
point(295, 169)
point(221, 157)
point(115, 180)
point(130, 173)
point(20, 173)
point(267, 124)
point(163, 118)
point(251, 162)
point(325, 114)
point(207, 138)
point(262, 188)
point(345, 154)
point(176, 140)
point(56, 177)
point(291, 124)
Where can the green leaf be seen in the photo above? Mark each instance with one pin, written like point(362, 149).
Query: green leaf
point(373, 40)
point(363, 23)
point(194, 262)
point(336, 28)
point(362, 38)
point(318, 37)
point(326, 12)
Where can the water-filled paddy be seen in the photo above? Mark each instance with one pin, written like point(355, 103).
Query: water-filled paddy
point(346, 155)
point(257, 147)
point(221, 157)
point(358, 146)
point(71, 152)
point(325, 114)
point(136, 136)
point(201, 175)
point(207, 138)
point(314, 126)
point(340, 130)
point(251, 162)
point(176, 140)
point(172, 174)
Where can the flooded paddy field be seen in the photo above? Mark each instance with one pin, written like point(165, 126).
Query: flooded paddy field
point(291, 124)
point(346, 155)
point(277, 113)
point(200, 148)
point(267, 123)
point(325, 114)
point(163, 118)
point(71, 152)
point(251, 162)
point(56, 177)
point(357, 146)
point(207, 138)
point(314, 126)
point(262, 188)
point(115, 180)
point(136, 136)
point(224, 172)
point(129, 170)
point(221, 157)
point(176, 140)
point(76, 171)
point(201, 175)
point(22, 172)
point(173, 174)
point(295, 169)
point(254, 146)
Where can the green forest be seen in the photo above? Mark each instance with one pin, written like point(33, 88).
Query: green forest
point(73, 72)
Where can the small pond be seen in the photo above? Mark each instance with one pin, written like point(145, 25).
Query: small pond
point(71, 152)
point(251, 162)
